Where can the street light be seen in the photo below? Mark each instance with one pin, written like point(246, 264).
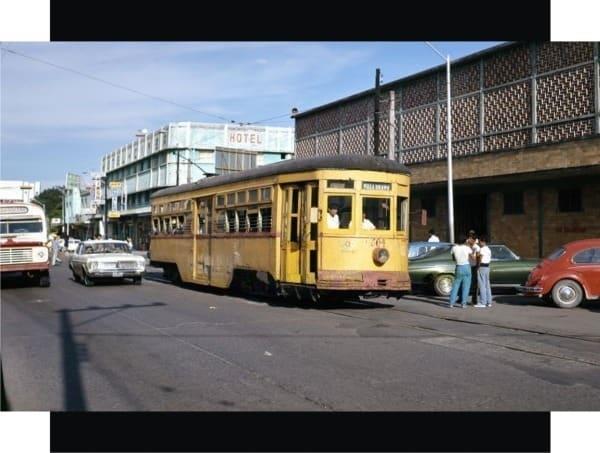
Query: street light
point(449, 136)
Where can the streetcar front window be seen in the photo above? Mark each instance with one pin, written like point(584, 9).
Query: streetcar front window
point(339, 212)
point(376, 213)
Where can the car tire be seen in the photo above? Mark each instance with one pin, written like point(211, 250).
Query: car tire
point(567, 294)
point(442, 284)
point(137, 281)
point(76, 277)
point(87, 281)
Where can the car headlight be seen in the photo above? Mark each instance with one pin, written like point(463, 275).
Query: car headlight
point(92, 265)
point(380, 255)
point(42, 253)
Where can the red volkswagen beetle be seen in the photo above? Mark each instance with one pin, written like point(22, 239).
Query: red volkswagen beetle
point(569, 274)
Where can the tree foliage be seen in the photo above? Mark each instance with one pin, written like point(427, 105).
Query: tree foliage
point(52, 200)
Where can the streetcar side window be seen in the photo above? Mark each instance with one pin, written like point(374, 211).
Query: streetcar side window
point(243, 224)
point(265, 219)
point(376, 213)
point(401, 213)
point(232, 221)
point(221, 223)
point(253, 221)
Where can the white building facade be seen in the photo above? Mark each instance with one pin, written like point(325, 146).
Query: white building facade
point(19, 190)
point(178, 153)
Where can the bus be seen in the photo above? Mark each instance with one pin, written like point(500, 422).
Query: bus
point(23, 235)
point(327, 227)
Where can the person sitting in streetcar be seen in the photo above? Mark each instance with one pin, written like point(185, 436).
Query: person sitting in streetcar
point(333, 221)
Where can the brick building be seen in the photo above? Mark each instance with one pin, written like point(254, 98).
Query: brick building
point(526, 142)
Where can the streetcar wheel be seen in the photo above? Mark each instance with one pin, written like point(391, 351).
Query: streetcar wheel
point(442, 284)
point(567, 294)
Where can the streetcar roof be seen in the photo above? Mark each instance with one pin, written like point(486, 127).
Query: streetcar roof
point(339, 162)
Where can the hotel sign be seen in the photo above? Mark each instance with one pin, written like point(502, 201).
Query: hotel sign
point(245, 138)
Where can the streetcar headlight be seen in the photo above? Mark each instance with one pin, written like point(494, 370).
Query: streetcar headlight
point(380, 256)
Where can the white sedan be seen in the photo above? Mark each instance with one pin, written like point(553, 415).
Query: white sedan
point(106, 260)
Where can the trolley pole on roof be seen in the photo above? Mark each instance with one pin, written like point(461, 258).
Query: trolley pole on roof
point(376, 115)
point(449, 138)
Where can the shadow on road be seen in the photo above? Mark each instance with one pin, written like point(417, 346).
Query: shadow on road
point(74, 353)
point(273, 301)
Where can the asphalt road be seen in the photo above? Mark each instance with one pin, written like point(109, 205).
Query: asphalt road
point(163, 347)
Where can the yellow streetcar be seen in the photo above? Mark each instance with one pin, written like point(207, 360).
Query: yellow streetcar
point(333, 226)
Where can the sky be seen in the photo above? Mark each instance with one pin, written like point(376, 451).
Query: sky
point(53, 121)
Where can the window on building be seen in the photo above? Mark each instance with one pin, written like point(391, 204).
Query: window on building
point(428, 203)
point(569, 200)
point(513, 202)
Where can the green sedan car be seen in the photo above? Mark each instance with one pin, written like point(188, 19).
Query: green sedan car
point(431, 267)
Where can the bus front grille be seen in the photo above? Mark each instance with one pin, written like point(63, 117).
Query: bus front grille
point(16, 256)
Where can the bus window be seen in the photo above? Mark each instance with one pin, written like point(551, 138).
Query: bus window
point(339, 212)
point(21, 227)
point(402, 214)
point(265, 219)
point(376, 213)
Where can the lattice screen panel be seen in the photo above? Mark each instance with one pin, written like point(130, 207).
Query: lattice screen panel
point(418, 127)
point(555, 55)
point(354, 139)
point(328, 144)
point(465, 79)
point(565, 95)
point(565, 131)
point(305, 148)
point(305, 126)
point(419, 92)
point(425, 154)
point(509, 140)
point(327, 119)
point(508, 107)
point(507, 66)
point(465, 118)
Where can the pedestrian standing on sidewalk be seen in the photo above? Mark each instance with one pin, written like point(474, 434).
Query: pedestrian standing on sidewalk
point(483, 274)
point(473, 261)
point(462, 275)
point(432, 236)
point(130, 244)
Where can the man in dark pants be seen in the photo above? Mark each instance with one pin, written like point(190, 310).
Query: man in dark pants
point(474, 262)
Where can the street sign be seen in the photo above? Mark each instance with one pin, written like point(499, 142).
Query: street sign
point(114, 214)
point(73, 181)
point(115, 185)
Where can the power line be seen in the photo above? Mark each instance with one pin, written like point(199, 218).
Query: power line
point(98, 79)
point(269, 119)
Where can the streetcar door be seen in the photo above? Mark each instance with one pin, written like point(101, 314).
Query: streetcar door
point(299, 233)
point(291, 235)
point(310, 221)
point(203, 241)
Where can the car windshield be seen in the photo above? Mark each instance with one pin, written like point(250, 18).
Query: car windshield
point(420, 251)
point(502, 253)
point(106, 247)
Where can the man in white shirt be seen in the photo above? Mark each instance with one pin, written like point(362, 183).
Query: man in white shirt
point(366, 223)
point(462, 274)
point(333, 220)
point(483, 274)
point(432, 236)
point(474, 244)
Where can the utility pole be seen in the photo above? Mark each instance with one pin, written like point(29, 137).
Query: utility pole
point(178, 152)
point(104, 220)
point(376, 115)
